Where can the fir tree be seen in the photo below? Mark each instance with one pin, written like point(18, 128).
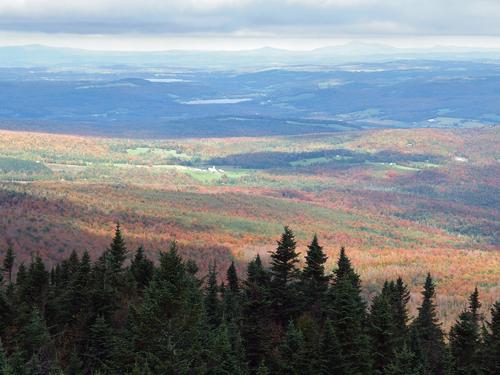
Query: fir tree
point(256, 314)
point(116, 253)
point(381, 330)
point(5, 367)
point(35, 344)
point(314, 282)
point(399, 301)
point(344, 269)
point(75, 365)
point(347, 311)
point(232, 304)
point(226, 361)
point(232, 279)
point(491, 346)
point(331, 357)
point(262, 370)
point(429, 334)
point(465, 339)
point(8, 262)
point(212, 303)
point(474, 304)
point(284, 274)
point(292, 355)
point(404, 362)
point(38, 283)
point(142, 269)
point(464, 343)
point(168, 327)
point(100, 345)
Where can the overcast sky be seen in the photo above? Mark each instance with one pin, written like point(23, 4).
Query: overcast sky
point(234, 24)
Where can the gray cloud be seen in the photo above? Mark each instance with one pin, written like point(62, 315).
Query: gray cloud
point(275, 17)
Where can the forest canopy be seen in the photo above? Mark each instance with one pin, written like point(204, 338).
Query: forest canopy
point(125, 314)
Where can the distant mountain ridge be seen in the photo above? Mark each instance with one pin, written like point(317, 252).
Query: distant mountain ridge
point(39, 55)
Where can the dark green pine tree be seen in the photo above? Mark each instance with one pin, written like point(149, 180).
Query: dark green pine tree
point(117, 252)
point(429, 335)
point(399, 302)
point(79, 296)
point(292, 358)
point(465, 339)
point(72, 264)
point(475, 304)
point(224, 358)
point(99, 347)
point(347, 311)
point(404, 362)
point(314, 282)
point(6, 310)
point(212, 302)
point(75, 365)
point(5, 367)
point(38, 283)
point(168, 326)
point(331, 358)
point(35, 345)
point(381, 329)
point(491, 343)
point(232, 279)
point(284, 274)
point(142, 269)
point(232, 318)
point(8, 262)
point(262, 370)
point(232, 297)
point(256, 314)
point(344, 269)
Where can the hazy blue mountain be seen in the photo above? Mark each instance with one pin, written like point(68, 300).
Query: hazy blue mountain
point(37, 55)
point(113, 94)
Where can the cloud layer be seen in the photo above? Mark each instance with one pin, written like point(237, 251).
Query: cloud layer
point(253, 17)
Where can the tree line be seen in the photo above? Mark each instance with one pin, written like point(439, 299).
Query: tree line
point(115, 316)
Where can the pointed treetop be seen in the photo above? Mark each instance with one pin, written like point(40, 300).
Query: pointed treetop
point(117, 250)
point(344, 270)
point(313, 276)
point(474, 304)
point(284, 258)
point(258, 261)
point(315, 258)
point(232, 279)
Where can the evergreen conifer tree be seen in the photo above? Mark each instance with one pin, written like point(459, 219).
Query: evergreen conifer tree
point(256, 314)
point(8, 262)
point(491, 346)
point(381, 329)
point(212, 303)
point(262, 370)
point(347, 311)
point(465, 339)
point(141, 268)
point(100, 345)
point(399, 301)
point(117, 252)
point(404, 362)
point(331, 357)
point(5, 367)
point(314, 281)
point(292, 358)
point(429, 336)
point(284, 274)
